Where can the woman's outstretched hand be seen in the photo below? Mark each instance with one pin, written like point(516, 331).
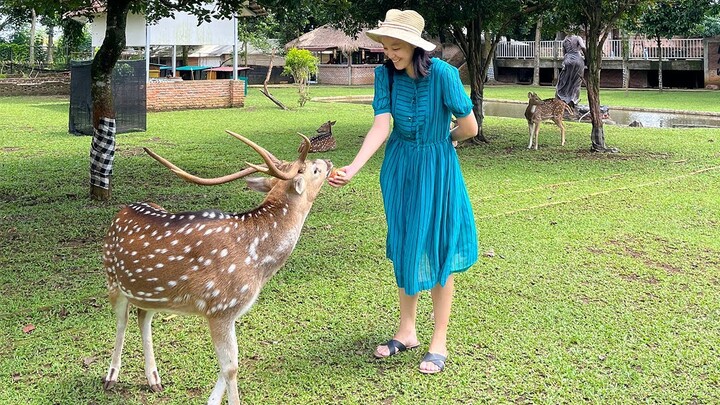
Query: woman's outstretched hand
point(341, 176)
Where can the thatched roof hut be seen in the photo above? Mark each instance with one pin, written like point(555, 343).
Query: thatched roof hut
point(329, 38)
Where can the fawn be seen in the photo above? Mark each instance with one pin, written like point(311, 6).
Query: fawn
point(207, 263)
point(539, 110)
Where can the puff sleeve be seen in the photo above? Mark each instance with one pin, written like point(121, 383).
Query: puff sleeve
point(453, 93)
point(381, 100)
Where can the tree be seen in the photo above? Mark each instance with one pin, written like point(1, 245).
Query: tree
point(300, 63)
point(475, 26)
point(596, 18)
point(113, 45)
point(667, 18)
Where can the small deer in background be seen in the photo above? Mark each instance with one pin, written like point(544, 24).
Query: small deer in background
point(539, 110)
point(207, 263)
point(324, 140)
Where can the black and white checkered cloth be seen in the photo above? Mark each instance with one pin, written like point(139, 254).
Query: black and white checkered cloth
point(102, 153)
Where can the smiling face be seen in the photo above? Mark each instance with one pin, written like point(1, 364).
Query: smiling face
point(400, 53)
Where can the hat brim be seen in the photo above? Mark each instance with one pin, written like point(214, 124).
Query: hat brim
point(377, 35)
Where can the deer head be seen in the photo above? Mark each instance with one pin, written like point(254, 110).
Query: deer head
point(207, 263)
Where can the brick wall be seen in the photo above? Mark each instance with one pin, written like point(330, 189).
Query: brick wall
point(41, 86)
point(344, 75)
point(195, 94)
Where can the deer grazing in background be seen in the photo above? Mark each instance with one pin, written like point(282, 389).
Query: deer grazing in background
point(539, 110)
point(207, 263)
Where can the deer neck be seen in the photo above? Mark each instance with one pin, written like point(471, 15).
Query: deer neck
point(278, 224)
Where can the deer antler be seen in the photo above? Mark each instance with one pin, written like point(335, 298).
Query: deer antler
point(272, 168)
point(200, 180)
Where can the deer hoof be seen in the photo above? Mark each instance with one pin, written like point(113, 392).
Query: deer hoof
point(108, 384)
point(156, 387)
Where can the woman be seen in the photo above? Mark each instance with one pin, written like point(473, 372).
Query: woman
point(431, 229)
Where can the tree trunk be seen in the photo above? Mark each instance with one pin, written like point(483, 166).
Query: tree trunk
point(33, 25)
point(538, 37)
point(50, 45)
point(593, 59)
point(660, 78)
point(101, 89)
point(626, 60)
point(471, 44)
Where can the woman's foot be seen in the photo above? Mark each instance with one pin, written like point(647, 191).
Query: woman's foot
point(432, 363)
point(396, 345)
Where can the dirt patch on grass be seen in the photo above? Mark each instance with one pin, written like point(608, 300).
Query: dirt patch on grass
point(10, 149)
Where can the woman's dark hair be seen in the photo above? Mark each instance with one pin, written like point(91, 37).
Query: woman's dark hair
point(420, 61)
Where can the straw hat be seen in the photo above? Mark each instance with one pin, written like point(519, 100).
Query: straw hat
point(405, 25)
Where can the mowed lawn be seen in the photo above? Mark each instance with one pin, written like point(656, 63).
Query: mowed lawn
point(598, 279)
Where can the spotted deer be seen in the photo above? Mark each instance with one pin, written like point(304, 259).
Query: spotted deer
point(207, 263)
point(539, 110)
point(324, 140)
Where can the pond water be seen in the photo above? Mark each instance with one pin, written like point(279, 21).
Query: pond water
point(652, 119)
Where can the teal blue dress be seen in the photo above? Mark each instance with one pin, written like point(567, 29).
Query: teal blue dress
point(431, 228)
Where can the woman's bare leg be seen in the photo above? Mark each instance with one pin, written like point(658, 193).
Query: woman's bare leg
point(442, 304)
point(406, 333)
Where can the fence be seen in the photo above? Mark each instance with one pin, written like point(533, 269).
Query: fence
point(612, 49)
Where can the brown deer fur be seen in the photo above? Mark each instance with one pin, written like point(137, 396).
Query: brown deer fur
point(324, 140)
point(539, 110)
point(206, 263)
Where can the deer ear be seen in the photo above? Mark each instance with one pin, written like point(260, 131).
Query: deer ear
point(299, 183)
point(261, 184)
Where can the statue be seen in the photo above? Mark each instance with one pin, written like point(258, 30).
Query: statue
point(573, 67)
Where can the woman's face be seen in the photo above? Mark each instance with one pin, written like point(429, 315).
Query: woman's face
point(399, 52)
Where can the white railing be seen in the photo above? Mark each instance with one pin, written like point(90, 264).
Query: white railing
point(612, 49)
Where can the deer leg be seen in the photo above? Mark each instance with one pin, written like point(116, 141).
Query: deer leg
point(531, 130)
point(223, 336)
point(121, 308)
point(562, 132)
point(537, 134)
point(145, 323)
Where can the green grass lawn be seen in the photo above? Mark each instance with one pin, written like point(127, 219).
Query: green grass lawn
point(597, 282)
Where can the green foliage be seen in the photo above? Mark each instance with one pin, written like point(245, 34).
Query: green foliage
point(300, 63)
point(597, 281)
point(667, 18)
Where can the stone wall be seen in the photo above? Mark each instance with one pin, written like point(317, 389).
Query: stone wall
point(39, 86)
point(195, 94)
point(712, 62)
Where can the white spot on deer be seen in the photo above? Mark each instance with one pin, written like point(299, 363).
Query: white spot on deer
point(191, 217)
point(223, 253)
point(268, 259)
point(201, 227)
point(172, 283)
point(195, 268)
point(252, 249)
point(159, 265)
point(265, 236)
point(152, 279)
point(214, 251)
point(248, 260)
point(138, 270)
point(187, 249)
point(244, 288)
point(216, 293)
point(209, 285)
point(274, 224)
point(201, 304)
point(231, 268)
point(188, 231)
point(232, 303)
point(182, 278)
point(159, 289)
point(175, 242)
point(207, 262)
point(208, 232)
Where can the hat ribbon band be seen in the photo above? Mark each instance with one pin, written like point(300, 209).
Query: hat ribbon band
point(401, 27)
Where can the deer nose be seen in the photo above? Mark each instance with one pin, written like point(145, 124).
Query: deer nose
point(329, 167)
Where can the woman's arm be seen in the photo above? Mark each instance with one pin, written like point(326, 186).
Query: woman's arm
point(467, 127)
point(375, 137)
